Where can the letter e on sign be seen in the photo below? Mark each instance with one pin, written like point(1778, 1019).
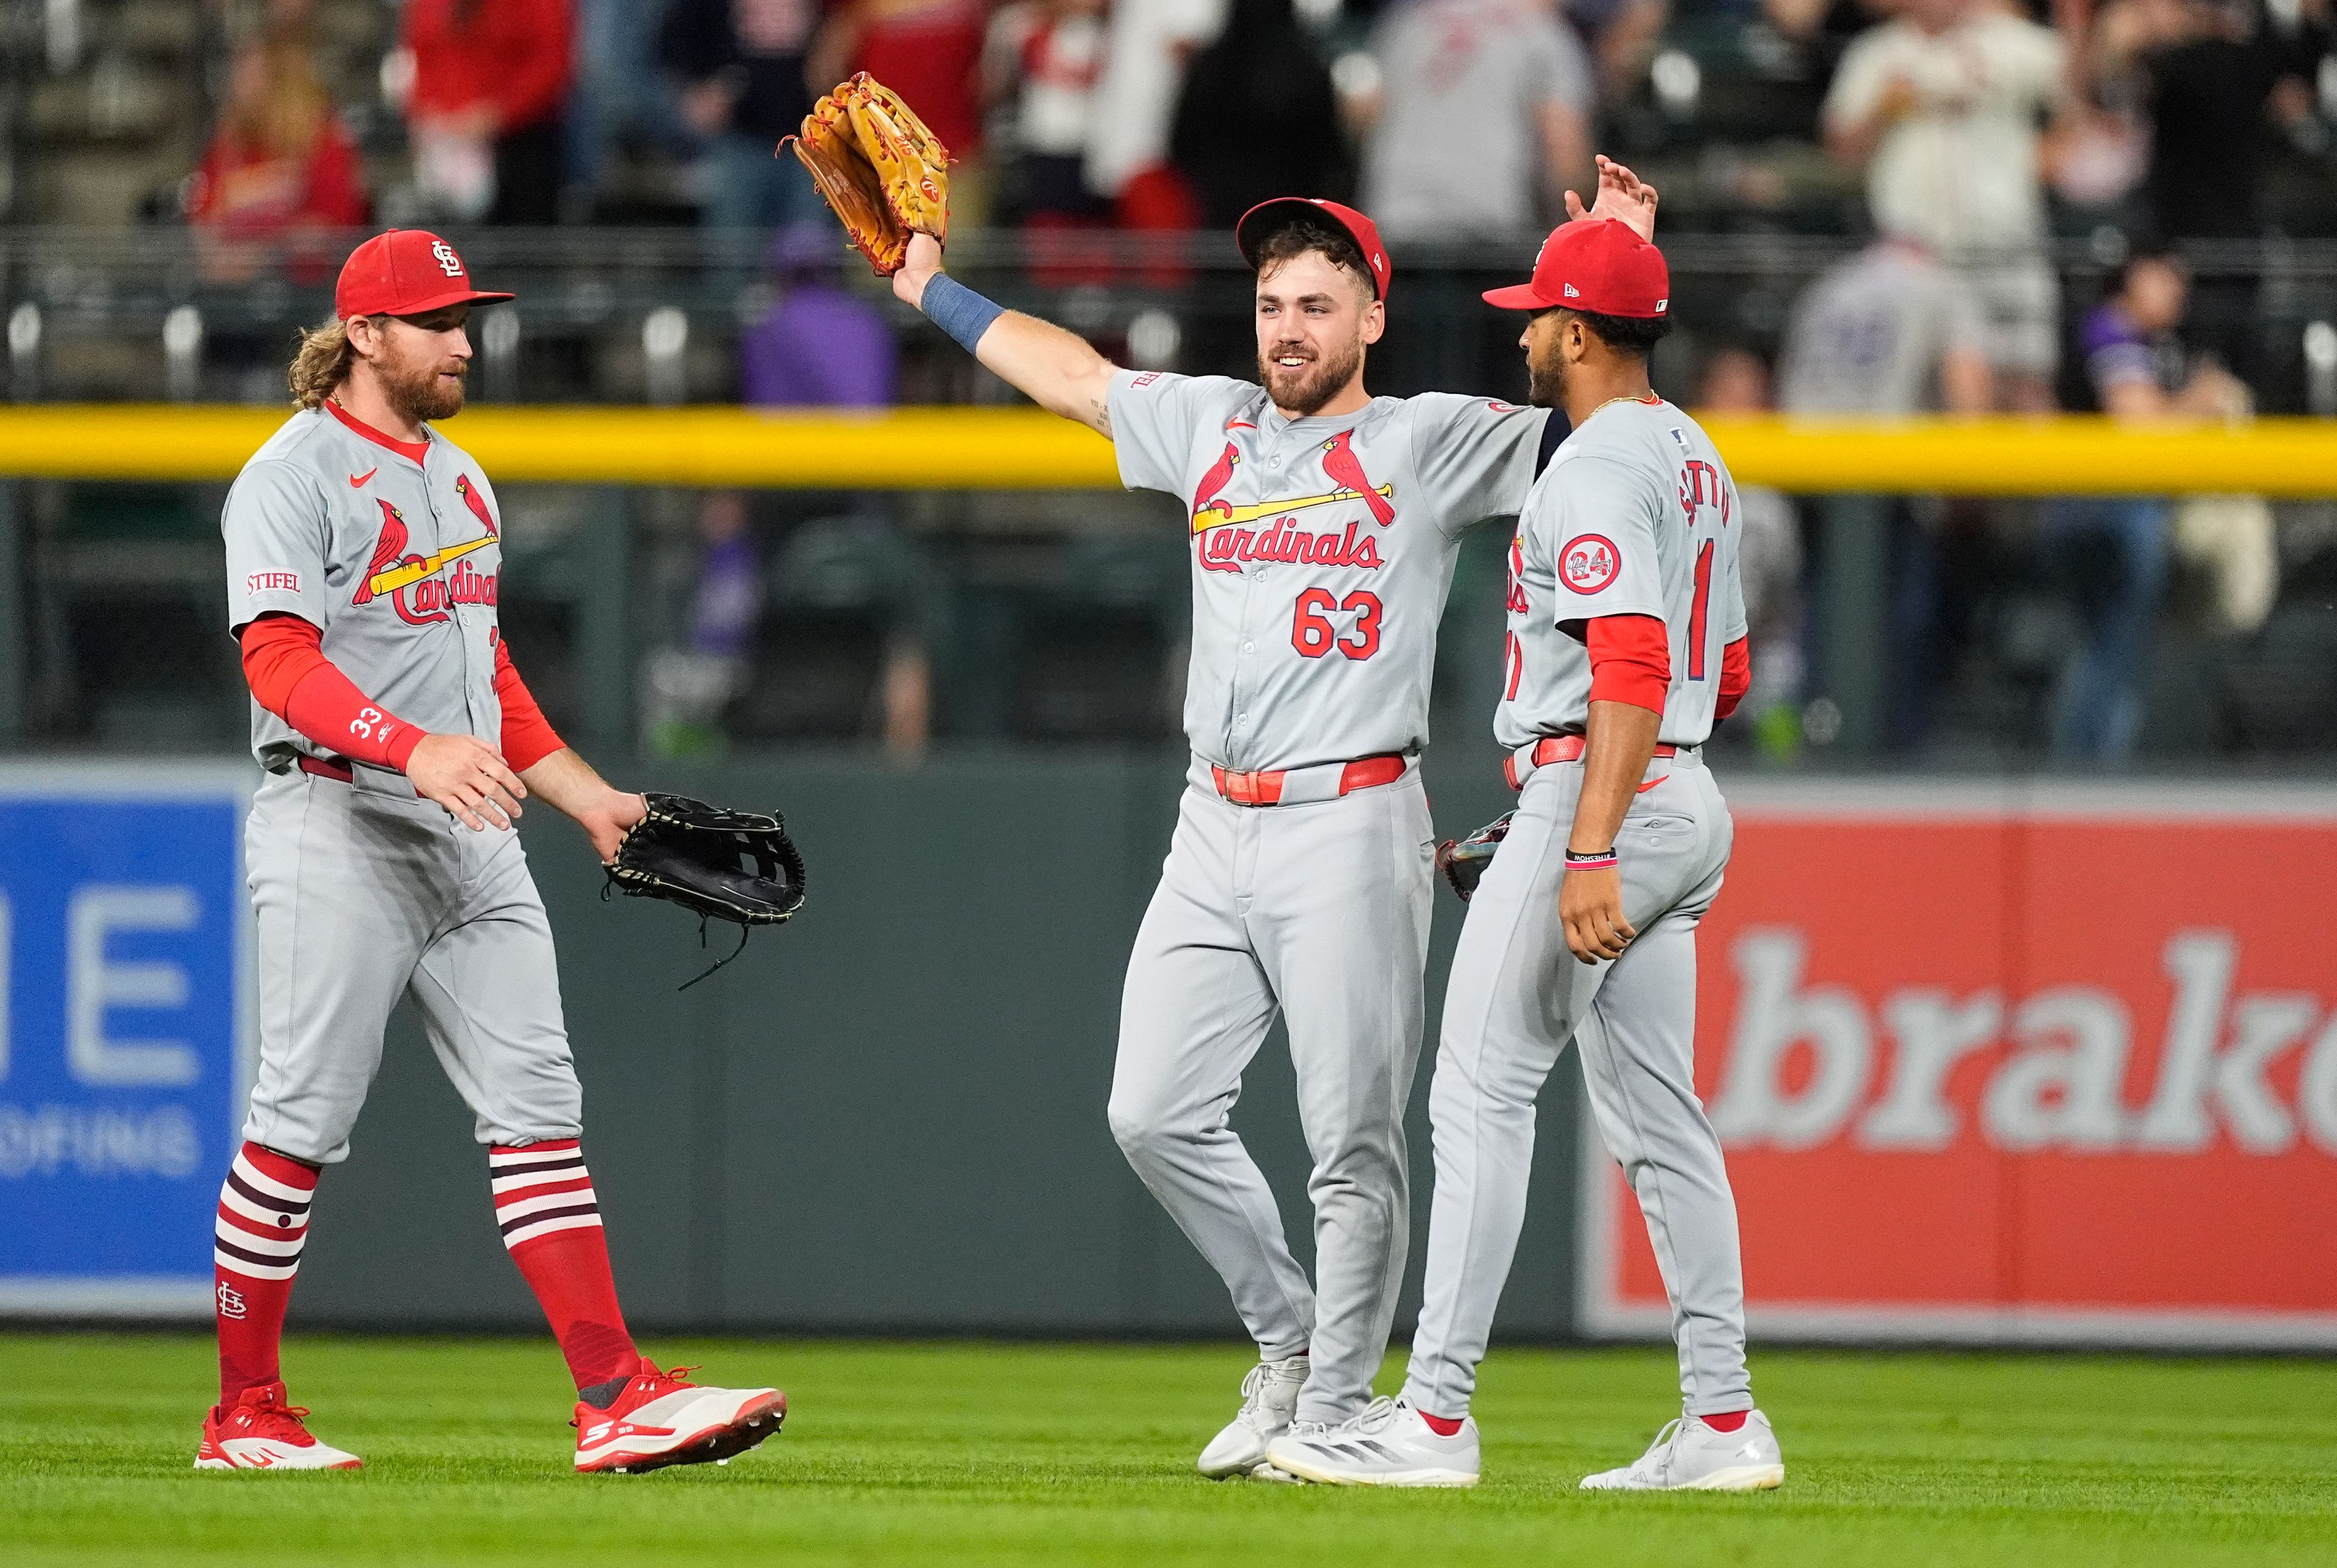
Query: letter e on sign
point(94, 985)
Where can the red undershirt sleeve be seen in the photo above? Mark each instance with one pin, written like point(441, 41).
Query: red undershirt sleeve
point(284, 665)
point(1631, 660)
point(1736, 675)
point(528, 736)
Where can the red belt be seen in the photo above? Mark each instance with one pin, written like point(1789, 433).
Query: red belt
point(1558, 748)
point(1265, 789)
point(331, 770)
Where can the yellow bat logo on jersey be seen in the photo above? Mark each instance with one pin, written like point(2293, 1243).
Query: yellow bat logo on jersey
point(1221, 514)
point(414, 571)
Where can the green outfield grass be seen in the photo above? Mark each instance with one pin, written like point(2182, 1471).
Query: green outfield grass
point(980, 1454)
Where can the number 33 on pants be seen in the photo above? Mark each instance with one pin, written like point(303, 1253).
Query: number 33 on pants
point(1313, 635)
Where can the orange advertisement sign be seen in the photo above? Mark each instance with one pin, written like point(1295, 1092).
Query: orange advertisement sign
point(2054, 1065)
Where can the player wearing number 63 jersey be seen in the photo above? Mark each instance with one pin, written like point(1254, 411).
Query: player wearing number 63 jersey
point(1626, 640)
point(1324, 525)
point(365, 561)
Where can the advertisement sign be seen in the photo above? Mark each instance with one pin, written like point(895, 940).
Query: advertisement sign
point(2049, 1065)
point(122, 965)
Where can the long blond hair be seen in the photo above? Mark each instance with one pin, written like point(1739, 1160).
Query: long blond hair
point(323, 361)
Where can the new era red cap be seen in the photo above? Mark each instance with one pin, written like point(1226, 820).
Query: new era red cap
point(405, 272)
point(1600, 267)
point(1258, 224)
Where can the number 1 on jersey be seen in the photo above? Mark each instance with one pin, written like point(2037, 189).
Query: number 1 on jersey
point(1696, 612)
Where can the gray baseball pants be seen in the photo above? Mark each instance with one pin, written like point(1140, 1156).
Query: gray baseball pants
point(1320, 911)
point(1517, 996)
point(364, 893)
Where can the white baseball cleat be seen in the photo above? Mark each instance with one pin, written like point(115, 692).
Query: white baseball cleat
point(659, 1421)
point(1269, 1399)
point(1389, 1445)
point(260, 1432)
point(1689, 1457)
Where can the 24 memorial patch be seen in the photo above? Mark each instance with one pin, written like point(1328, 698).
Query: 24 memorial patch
point(1589, 563)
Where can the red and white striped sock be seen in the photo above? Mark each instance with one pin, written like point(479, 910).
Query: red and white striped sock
point(552, 1225)
point(263, 1222)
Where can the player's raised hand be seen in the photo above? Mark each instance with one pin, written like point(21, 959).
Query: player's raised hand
point(1622, 196)
point(925, 260)
point(1591, 906)
point(468, 777)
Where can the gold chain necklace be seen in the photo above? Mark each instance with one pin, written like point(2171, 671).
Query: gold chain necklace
point(1612, 403)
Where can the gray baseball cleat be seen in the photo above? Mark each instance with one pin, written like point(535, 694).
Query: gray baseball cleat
point(1269, 1399)
point(1689, 1457)
point(1387, 1445)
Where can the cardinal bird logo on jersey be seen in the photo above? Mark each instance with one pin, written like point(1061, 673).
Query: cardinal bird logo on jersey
point(393, 570)
point(477, 503)
point(1205, 496)
point(386, 550)
point(1346, 470)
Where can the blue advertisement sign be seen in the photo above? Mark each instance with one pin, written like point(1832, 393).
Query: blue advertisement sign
point(122, 915)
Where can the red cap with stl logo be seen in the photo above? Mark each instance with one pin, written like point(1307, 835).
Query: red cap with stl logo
point(1258, 224)
point(405, 272)
point(1599, 265)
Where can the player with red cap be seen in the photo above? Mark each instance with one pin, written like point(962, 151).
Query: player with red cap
point(364, 556)
point(1627, 643)
point(1324, 524)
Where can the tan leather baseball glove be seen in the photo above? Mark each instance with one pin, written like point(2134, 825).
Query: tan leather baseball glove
point(885, 175)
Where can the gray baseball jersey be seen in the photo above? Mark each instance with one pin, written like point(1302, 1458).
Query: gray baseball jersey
point(1634, 516)
point(365, 893)
point(1870, 335)
point(1323, 549)
point(396, 560)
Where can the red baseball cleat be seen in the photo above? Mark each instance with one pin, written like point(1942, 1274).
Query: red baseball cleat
point(660, 1420)
point(262, 1432)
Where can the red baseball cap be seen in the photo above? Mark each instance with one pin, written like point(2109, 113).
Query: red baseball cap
point(1598, 265)
point(1258, 224)
point(405, 272)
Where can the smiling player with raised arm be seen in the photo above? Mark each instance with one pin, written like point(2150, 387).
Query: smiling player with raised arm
point(1627, 642)
point(1325, 523)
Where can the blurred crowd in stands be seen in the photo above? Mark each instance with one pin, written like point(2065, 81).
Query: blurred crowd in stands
point(1953, 145)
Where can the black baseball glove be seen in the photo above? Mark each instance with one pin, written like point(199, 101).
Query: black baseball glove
point(1464, 861)
point(721, 865)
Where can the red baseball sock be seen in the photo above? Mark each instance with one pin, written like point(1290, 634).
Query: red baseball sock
point(1728, 1422)
point(263, 1221)
point(1442, 1425)
point(551, 1225)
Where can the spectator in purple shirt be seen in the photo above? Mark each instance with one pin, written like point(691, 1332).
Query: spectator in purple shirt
point(820, 345)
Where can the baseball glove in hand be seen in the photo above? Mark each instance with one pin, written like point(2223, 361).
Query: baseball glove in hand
point(1464, 861)
point(721, 865)
point(885, 175)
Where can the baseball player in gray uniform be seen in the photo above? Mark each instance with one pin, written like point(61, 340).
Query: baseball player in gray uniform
point(364, 562)
point(1627, 641)
point(1324, 524)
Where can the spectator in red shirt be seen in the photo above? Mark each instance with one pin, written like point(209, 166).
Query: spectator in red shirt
point(490, 80)
point(927, 51)
point(281, 167)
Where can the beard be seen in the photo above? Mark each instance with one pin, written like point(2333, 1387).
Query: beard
point(1305, 390)
point(1545, 379)
point(417, 392)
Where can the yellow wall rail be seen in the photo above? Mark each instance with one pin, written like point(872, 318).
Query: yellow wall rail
point(1022, 448)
